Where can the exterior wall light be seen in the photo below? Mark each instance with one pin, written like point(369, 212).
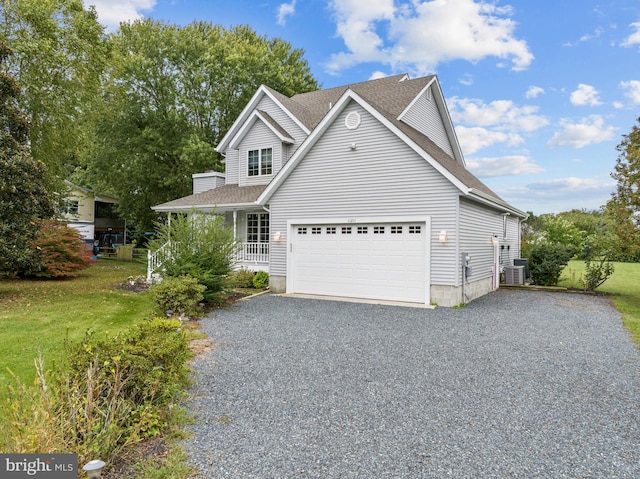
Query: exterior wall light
point(277, 236)
point(442, 237)
point(94, 468)
point(494, 240)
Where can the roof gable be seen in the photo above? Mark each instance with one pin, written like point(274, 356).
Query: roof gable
point(268, 121)
point(248, 110)
point(406, 133)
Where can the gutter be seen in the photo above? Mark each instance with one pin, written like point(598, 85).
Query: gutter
point(483, 197)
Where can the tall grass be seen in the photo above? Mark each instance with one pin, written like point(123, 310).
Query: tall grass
point(623, 286)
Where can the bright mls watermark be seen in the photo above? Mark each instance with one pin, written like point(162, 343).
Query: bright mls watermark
point(47, 466)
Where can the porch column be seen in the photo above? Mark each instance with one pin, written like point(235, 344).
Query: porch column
point(235, 224)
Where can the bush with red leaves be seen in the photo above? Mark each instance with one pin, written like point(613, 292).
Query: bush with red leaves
point(60, 250)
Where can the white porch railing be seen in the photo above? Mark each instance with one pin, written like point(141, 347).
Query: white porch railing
point(253, 252)
point(247, 252)
point(156, 258)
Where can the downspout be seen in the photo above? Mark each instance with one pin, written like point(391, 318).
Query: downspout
point(496, 262)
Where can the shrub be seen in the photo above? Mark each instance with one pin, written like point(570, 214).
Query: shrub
point(152, 357)
point(242, 278)
point(547, 260)
point(202, 246)
point(59, 252)
point(598, 267)
point(110, 392)
point(261, 280)
point(180, 295)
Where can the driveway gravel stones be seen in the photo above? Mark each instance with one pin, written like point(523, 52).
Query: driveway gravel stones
point(517, 384)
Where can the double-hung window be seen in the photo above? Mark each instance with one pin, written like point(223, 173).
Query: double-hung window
point(260, 162)
point(258, 228)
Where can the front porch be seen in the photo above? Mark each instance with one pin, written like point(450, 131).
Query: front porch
point(253, 256)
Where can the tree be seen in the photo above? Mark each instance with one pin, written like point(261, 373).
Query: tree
point(627, 171)
point(624, 205)
point(25, 198)
point(171, 94)
point(597, 251)
point(59, 56)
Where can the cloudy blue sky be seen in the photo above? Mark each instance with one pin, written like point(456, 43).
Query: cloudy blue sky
point(540, 92)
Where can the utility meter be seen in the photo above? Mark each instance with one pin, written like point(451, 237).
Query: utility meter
point(465, 259)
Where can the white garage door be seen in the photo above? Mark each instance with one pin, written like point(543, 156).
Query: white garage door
point(376, 261)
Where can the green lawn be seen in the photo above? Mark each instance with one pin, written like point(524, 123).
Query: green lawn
point(38, 315)
point(624, 286)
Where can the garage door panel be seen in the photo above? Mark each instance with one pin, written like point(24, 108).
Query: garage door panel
point(377, 261)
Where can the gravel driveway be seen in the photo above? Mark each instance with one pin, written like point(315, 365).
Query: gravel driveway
point(517, 384)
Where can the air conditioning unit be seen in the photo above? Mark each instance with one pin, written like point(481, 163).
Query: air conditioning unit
point(523, 262)
point(514, 274)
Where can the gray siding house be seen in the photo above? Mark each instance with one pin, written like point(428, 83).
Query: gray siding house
point(359, 191)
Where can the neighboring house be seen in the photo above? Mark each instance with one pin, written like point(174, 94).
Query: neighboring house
point(94, 216)
point(359, 191)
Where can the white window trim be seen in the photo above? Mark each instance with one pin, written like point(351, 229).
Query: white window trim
point(260, 232)
point(259, 150)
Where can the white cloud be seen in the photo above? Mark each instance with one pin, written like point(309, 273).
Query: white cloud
point(534, 91)
point(476, 138)
point(632, 90)
point(377, 75)
point(466, 79)
point(112, 12)
point(285, 10)
point(503, 166)
point(634, 38)
point(585, 95)
point(376, 30)
point(503, 115)
point(589, 36)
point(480, 125)
point(560, 194)
point(578, 135)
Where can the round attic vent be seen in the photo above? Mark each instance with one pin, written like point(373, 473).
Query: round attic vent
point(352, 121)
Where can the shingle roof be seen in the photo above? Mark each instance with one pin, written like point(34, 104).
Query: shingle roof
point(390, 96)
point(276, 125)
point(218, 197)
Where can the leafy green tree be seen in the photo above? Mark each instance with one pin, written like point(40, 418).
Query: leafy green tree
point(562, 231)
point(627, 170)
point(624, 206)
point(25, 198)
point(624, 226)
point(171, 94)
point(588, 222)
point(59, 55)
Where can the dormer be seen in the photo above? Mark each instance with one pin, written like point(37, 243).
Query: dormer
point(261, 141)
